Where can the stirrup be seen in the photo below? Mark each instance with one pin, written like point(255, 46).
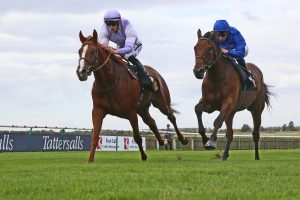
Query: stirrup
point(252, 83)
point(154, 84)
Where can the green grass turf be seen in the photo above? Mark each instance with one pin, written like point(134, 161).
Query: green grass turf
point(166, 175)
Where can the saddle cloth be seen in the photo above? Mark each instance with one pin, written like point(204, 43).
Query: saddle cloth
point(244, 74)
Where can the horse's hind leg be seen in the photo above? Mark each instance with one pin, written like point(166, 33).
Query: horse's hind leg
point(256, 115)
point(199, 111)
point(136, 134)
point(146, 117)
point(97, 115)
point(172, 119)
point(229, 137)
point(166, 109)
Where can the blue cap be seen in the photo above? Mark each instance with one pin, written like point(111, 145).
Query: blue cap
point(221, 26)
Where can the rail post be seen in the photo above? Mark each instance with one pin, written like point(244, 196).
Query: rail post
point(62, 132)
point(117, 139)
point(29, 139)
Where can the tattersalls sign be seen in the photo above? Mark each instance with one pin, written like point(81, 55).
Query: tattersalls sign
point(44, 142)
point(6, 143)
point(56, 143)
point(10, 142)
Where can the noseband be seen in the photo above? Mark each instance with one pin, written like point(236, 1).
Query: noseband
point(95, 58)
point(211, 62)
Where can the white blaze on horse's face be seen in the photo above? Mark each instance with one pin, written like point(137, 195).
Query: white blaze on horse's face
point(81, 64)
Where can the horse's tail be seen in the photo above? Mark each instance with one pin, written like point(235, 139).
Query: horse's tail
point(163, 91)
point(268, 95)
point(172, 108)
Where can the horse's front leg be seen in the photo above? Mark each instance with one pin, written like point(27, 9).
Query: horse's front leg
point(229, 136)
point(98, 116)
point(211, 144)
point(199, 111)
point(226, 110)
point(136, 134)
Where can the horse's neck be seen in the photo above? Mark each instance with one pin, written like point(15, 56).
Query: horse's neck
point(219, 71)
point(109, 76)
point(106, 76)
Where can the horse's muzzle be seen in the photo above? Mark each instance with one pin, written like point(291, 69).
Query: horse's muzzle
point(82, 76)
point(199, 73)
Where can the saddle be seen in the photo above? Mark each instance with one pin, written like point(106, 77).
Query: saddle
point(244, 73)
point(133, 72)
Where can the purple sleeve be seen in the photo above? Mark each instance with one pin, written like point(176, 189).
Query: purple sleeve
point(125, 50)
point(131, 37)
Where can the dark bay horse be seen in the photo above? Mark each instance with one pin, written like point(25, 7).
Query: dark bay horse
point(116, 93)
point(222, 90)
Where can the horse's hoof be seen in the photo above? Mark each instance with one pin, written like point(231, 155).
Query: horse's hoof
point(224, 157)
point(210, 145)
point(144, 158)
point(184, 141)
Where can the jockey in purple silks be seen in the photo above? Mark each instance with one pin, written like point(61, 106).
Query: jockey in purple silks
point(231, 42)
point(121, 32)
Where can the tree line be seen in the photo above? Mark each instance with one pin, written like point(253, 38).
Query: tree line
point(284, 127)
point(247, 128)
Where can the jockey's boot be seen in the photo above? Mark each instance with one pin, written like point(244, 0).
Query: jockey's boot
point(250, 75)
point(142, 74)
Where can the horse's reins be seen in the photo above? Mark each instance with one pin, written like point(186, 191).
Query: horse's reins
point(104, 63)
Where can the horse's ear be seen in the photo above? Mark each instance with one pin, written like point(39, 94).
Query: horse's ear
point(82, 38)
point(199, 33)
point(95, 36)
point(213, 34)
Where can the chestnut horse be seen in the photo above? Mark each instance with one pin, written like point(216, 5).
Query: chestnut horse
point(116, 93)
point(222, 90)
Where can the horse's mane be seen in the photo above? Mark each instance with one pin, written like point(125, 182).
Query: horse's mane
point(211, 36)
point(207, 35)
point(119, 59)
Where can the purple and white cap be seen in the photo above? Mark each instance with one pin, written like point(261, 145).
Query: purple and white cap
point(112, 15)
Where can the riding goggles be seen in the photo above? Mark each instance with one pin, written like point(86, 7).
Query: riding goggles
point(112, 23)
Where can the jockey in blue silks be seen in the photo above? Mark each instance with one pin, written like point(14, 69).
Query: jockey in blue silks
point(121, 32)
point(231, 42)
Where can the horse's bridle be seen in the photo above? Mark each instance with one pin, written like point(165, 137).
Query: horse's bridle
point(211, 62)
point(94, 68)
point(95, 59)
